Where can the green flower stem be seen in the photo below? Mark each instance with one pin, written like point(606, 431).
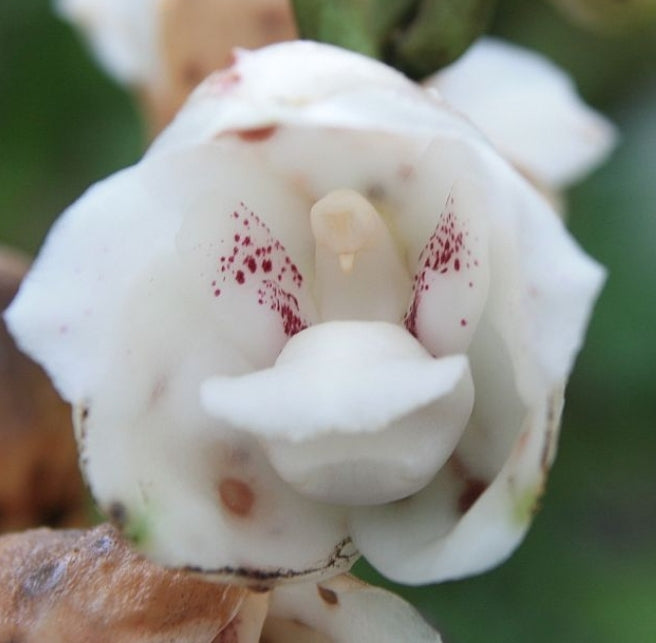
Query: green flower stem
point(416, 36)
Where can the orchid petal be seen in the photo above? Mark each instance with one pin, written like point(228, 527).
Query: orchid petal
point(322, 87)
point(477, 509)
point(151, 315)
point(352, 413)
point(529, 109)
point(460, 524)
point(451, 284)
point(343, 609)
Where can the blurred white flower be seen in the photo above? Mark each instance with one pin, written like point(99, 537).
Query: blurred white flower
point(529, 109)
point(164, 48)
point(321, 316)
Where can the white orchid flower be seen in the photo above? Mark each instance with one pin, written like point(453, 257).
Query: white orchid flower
point(322, 316)
point(529, 109)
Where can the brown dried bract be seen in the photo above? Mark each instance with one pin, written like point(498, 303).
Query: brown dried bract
point(40, 481)
point(198, 37)
point(83, 586)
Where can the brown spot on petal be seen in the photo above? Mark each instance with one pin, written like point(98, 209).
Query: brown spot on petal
point(327, 595)
point(474, 487)
point(236, 496)
point(257, 135)
point(118, 514)
point(405, 171)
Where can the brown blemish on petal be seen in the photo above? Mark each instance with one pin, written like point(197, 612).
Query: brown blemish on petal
point(554, 408)
point(327, 595)
point(118, 514)
point(375, 192)
point(474, 488)
point(159, 390)
point(406, 171)
point(257, 134)
point(236, 496)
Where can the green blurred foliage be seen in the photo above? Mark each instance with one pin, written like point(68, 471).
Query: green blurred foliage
point(608, 16)
point(587, 571)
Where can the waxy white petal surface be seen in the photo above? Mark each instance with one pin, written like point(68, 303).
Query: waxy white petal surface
point(254, 388)
point(529, 109)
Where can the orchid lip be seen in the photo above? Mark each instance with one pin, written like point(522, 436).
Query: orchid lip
point(352, 412)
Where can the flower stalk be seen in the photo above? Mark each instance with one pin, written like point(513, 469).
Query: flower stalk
point(415, 36)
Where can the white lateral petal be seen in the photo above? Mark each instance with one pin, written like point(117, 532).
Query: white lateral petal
point(529, 109)
point(542, 285)
point(353, 412)
point(343, 610)
point(451, 283)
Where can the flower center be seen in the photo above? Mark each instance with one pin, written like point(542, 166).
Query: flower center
point(344, 222)
point(359, 274)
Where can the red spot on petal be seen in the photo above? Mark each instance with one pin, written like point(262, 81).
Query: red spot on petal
point(442, 254)
point(261, 261)
point(250, 263)
point(223, 82)
point(285, 304)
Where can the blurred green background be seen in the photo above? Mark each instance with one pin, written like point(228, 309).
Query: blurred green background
point(587, 571)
